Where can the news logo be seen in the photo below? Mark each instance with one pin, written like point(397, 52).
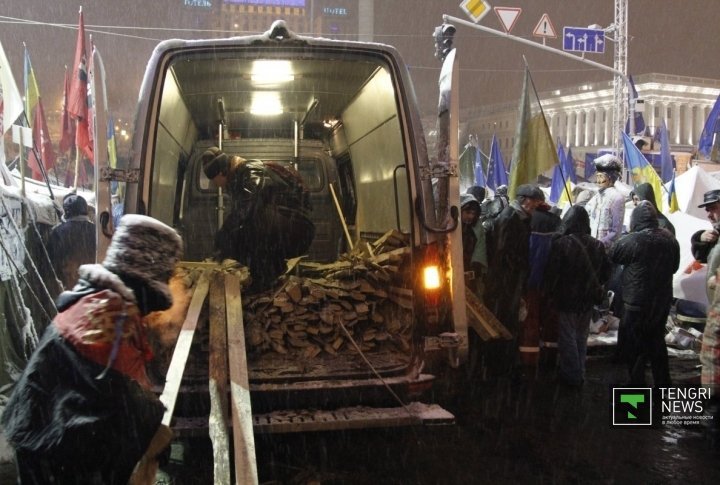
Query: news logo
point(632, 406)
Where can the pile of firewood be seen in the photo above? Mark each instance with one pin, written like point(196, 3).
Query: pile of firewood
point(359, 302)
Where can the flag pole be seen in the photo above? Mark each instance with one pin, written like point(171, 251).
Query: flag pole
point(77, 156)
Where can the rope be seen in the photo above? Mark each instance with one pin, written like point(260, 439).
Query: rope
point(372, 368)
point(17, 271)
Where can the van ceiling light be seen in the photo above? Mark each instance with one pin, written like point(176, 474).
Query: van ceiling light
point(266, 104)
point(271, 72)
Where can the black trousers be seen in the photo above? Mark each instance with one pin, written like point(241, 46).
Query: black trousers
point(643, 338)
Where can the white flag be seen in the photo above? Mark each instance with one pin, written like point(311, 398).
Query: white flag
point(10, 100)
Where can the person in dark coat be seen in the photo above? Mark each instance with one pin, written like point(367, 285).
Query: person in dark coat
point(72, 243)
point(508, 268)
point(576, 270)
point(474, 261)
point(650, 256)
point(268, 221)
point(83, 412)
point(645, 191)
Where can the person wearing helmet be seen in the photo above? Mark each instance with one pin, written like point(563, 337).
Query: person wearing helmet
point(607, 208)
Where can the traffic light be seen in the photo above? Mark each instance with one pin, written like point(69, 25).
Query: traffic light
point(443, 40)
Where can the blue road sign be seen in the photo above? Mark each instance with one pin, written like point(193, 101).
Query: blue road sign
point(579, 39)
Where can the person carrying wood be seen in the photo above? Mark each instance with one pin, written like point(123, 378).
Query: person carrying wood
point(82, 410)
point(268, 221)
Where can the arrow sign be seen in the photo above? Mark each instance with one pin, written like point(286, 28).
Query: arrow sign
point(579, 39)
point(476, 9)
point(545, 28)
point(508, 16)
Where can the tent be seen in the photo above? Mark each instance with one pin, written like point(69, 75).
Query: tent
point(690, 187)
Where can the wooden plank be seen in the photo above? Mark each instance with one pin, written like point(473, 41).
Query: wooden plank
point(242, 423)
point(182, 348)
point(217, 425)
point(485, 317)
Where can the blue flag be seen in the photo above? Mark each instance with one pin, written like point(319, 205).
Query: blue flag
point(557, 186)
point(497, 175)
point(479, 174)
point(570, 166)
point(666, 162)
point(712, 127)
point(639, 120)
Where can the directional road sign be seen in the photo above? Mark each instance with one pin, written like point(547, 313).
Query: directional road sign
point(581, 39)
point(476, 9)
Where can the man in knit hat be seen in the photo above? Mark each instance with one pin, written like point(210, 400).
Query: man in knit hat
point(83, 411)
point(268, 220)
point(72, 243)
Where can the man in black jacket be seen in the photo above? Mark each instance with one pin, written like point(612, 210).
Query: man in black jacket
point(650, 257)
point(72, 243)
point(575, 273)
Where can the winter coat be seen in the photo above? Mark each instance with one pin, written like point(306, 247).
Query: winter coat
point(70, 417)
point(706, 252)
point(650, 256)
point(645, 191)
point(508, 263)
point(577, 267)
point(543, 225)
point(606, 210)
point(268, 221)
point(70, 245)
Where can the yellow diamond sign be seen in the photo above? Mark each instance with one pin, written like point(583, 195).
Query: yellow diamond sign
point(476, 9)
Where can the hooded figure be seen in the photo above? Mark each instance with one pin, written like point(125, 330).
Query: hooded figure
point(607, 207)
point(72, 243)
point(473, 238)
point(650, 257)
point(645, 191)
point(83, 411)
point(576, 270)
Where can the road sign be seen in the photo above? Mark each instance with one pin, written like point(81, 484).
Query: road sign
point(545, 28)
point(508, 16)
point(476, 9)
point(579, 39)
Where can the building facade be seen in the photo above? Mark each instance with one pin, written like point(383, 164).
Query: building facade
point(581, 116)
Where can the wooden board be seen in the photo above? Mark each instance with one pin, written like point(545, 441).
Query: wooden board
point(182, 348)
point(482, 319)
point(218, 384)
point(242, 423)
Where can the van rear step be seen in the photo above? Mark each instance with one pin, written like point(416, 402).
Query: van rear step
point(294, 421)
point(291, 421)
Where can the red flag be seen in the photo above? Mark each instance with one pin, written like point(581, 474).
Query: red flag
point(78, 95)
point(77, 98)
point(67, 136)
point(42, 142)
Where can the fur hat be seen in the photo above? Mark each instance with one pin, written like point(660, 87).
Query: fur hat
point(530, 191)
point(609, 164)
point(146, 250)
point(74, 205)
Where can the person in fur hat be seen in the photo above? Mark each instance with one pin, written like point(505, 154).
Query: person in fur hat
point(83, 411)
point(607, 208)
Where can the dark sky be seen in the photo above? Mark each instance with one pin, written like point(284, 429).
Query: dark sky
point(666, 36)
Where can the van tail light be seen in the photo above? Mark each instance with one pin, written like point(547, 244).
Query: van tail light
point(431, 277)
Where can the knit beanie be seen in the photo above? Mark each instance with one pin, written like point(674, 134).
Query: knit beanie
point(214, 162)
point(74, 205)
point(146, 250)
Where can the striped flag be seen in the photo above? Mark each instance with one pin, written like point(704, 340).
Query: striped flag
point(641, 170)
point(666, 163)
point(35, 115)
point(672, 196)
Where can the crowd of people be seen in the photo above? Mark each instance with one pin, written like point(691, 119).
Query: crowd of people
point(544, 272)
